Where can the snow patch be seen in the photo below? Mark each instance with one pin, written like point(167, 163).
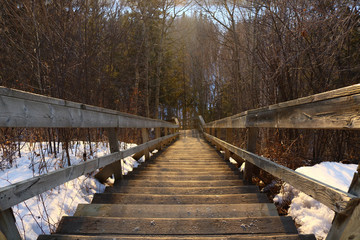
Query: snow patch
point(313, 216)
point(41, 214)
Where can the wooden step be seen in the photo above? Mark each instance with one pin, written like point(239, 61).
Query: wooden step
point(187, 170)
point(176, 226)
point(186, 173)
point(118, 198)
point(175, 157)
point(184, 177)
point(193, 168)
point(185, 190)
point(177, 211)
point(155, 183)
point(181, 237)
point(188, 163)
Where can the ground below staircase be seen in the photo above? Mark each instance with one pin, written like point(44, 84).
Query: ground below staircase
point(186, 192)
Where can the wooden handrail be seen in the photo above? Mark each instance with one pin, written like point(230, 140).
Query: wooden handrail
point(23, 109)
point(335, 199)
point(21, 191)
point(337, 109)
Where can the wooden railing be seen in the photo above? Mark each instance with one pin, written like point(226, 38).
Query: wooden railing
point(337, 109)
point(24, 110)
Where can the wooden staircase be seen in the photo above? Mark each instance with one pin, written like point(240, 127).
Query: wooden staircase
point(186, 192)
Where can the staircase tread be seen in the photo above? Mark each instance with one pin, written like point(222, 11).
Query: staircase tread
point(185, 190)
point(178, 211)
point(182, 237)
point(179, 199)
point(105, 225)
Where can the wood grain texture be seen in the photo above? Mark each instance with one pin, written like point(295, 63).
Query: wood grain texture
point(177, 211)
point(187, 190)
point(251, 170)
point(213, 183)
point(338, 109)
point(181, 237)
point(145, 138)
point(114, 147)
point(334, 198)
point(91, 225)
point(22, 109)
point(118, 198)
point(21, 191)
point(347, 226)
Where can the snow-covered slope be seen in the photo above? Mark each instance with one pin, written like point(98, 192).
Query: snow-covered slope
point(42, 213)
point(311, 215)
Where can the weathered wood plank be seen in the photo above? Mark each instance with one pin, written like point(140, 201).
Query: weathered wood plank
point(334, 198)
point(347, 227)
point(187, 190)
point(118, 198)
point(185, 177)
point(251, 170)
point(177, 211)
point(21, 191)
point(181, 237)
point(155, 183)
point(338, 109)
point(93, 225)
point(22, 109)
point(229, 138)
point(145, 138)
point(115, 167)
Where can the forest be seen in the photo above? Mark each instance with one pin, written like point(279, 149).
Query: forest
point(167, 58)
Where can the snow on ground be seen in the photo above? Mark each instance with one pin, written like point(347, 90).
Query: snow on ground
point(311, 215)
point(42, 213)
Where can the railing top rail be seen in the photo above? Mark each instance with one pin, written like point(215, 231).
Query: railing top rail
point(337, 109)
point(23, 109)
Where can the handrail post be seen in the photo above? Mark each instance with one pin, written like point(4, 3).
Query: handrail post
point(217, 135)
point(158, 135)
point(229, 139)
point(145, 138)
point(347, 226)
point(165, 134)
point(114, 147)
point(115, 167)
point(8, 225)
point(251, 170)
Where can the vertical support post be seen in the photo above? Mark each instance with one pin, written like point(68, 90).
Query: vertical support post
point(251, 170)
point(8, 226)
point(165, 134)
point(158, 135)
point(217, 135)
point(145, 138)
point(347, 227)
point(114, 147)
point(228, 139)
